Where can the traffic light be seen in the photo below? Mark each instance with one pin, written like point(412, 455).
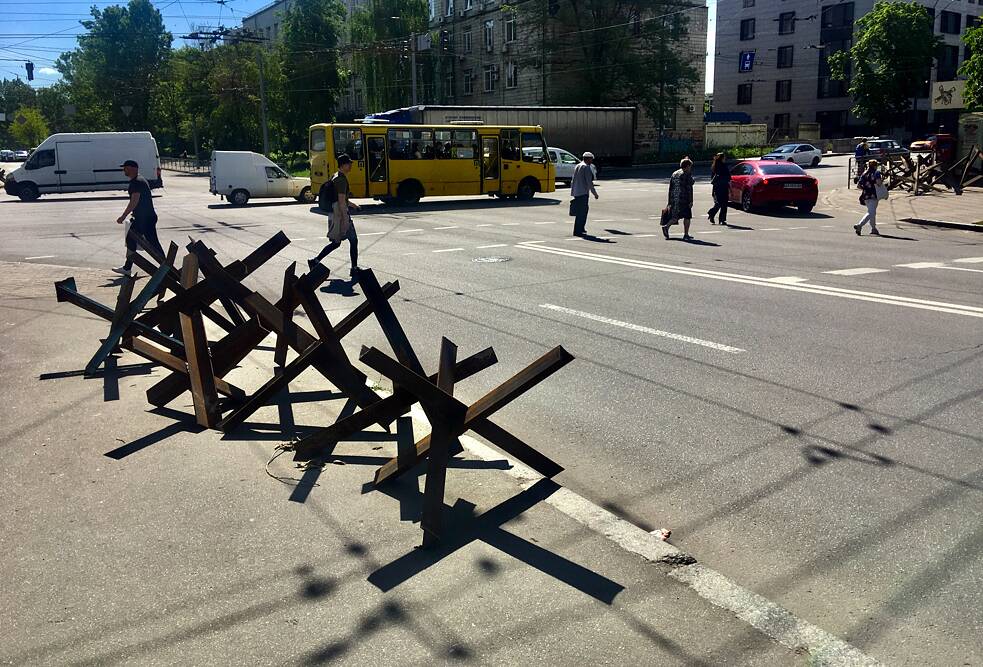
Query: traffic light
point(445, 40)
point(29, 66)
point(553, 6)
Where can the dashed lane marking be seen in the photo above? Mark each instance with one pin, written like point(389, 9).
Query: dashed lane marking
point(493, 245)
point(40, 257)
point(448, 227)
point(485, 224)
point(407, 231)
point(771, 229)
point(969, 260)
point(859, 271)
point(372, 233)
point(921, 265)
point(447, 250)
point(546, 222)
point(823, 290)
point(788, 280)
point(648, 330)
point(510, 224)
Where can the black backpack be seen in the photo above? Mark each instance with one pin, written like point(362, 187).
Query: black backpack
point(329, 194)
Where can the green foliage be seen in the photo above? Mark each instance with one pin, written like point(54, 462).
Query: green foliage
point(972, 69)
point(14, 94)
point(53, 102)
point(311, 72)
point(32, 131)
point(384, 67)
point(116, 66)
point(890, 59)
point(603, 53)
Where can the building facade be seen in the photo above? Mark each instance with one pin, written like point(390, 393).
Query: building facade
point(487, 54)
point(771, 62)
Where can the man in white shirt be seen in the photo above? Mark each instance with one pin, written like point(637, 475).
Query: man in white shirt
point(581, 187)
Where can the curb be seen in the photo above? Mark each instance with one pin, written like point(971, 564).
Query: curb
point(965, 226)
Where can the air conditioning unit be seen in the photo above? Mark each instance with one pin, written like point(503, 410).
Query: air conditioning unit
point(691, 108)
point(463, 13)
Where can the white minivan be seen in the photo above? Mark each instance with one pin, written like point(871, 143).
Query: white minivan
point(84, 162)
point(240, 176)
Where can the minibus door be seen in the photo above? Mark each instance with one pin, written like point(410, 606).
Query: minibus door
point(377, 161)
point(491, 165)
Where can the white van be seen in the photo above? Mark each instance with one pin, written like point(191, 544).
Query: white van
point(84, 162)
point(240, 176)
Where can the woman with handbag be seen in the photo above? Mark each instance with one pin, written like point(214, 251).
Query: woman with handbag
point(872, 190)
point(681, 198)
point(719, 188)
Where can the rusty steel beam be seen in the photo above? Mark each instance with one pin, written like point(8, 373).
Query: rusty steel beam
point(200, 373)
point(159, 356)
point(289, 277)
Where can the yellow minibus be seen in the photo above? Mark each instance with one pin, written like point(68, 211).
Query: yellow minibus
point(403, 163)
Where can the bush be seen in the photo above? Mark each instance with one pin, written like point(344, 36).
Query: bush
point(702, 154)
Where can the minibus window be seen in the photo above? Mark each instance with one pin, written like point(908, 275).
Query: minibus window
point(348, 140)
point(533, 140)
point(41, 159)
point(318, 141)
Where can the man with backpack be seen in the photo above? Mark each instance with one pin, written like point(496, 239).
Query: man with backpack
point(336, 198)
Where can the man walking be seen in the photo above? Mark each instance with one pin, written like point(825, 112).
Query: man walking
point(141, 205)
point(340, 225)
point(581, 187)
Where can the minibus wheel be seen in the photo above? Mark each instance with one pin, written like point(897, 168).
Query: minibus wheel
point(306, 196)
point(527, 189)
point(409, 192)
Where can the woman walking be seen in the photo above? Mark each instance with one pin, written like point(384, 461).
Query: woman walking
point(720, 188)
point(869, 183)
point(681, 198)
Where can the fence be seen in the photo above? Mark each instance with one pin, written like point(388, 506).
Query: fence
point(185, 165)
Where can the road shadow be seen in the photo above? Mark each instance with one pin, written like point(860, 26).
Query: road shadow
point(897, 238)
point(694, 241)
point(265, 204)
point(340, 287)
point(789, 212)
point(595, 239)
point(434, 206)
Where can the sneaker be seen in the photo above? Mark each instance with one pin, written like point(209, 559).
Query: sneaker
point(687, 237)
point(874, 232)
point(121, 270)
point(665, 232)
point(856, 228)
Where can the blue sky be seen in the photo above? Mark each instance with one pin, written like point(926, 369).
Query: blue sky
point(39, 30)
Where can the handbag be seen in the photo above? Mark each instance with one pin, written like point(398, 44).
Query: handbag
point(881, 191)
point(573, 208)
point(666, 216)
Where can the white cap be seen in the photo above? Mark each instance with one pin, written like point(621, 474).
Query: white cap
point(588, 154)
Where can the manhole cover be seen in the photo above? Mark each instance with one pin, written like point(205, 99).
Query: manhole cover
point(492, 259)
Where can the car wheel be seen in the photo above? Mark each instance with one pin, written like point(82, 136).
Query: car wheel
point(28, 192)
point(815, 162)
point(239, 197)
point(791, 159)
point(805, 207)
point(527, 189)
point(746, 203)
point(408, 192)
point(306, 196)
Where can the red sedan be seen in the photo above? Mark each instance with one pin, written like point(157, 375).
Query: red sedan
point(756, 183)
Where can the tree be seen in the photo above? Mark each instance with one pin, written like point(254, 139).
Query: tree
point(889, 61)
point(53, 102)
point(312, 79)
point(116, 66)
point(28, 128)
point(972, 69)
point(14, 94)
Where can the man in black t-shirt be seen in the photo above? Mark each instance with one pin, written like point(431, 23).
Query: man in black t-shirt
point(144, 217)
point(340, 224)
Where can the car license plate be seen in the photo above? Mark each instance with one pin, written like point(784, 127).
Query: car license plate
point(793, 186)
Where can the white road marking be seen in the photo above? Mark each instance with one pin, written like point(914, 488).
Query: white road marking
point(447, 250)
point(711, 232)
point(969, 260)
point(644, 236)
point(637, 327)
point(409, 253)
point(788, 280)
point(572, 238)
point(771, 229)
point(448, 227)
point(921, 265)
point(510, 224)
point(827, 226)
point(300, 239)
point(493, 245)
point(547, 222)
point(824, 290)
point(606, 220)
point(40, 257)
point(485, 224)
point(372, 233)
point(856, 272)
point(524, 242)
point(628, 220)
point(961, 268)
point(797, 228)
point(407, 231)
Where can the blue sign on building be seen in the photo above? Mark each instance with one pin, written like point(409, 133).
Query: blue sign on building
point(747, 61)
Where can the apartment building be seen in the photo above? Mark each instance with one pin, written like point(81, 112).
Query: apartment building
point(489, 54)
point(771, 61)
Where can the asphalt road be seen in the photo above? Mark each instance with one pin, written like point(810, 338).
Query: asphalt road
point(799, 405)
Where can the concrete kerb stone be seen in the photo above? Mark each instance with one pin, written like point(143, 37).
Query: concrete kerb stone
point(965, 226)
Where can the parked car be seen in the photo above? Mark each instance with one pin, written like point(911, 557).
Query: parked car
point(21, 156)
point(878, 148)
point(565, 161)
point(240, 176)
point(756, 183)
point(801, 154)
point(6, 155)
point(943, 145)
point(84, 162)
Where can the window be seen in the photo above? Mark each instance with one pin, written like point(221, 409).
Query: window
point(318, 141)
point(274, 172)
point(468, 4)
point(948, 63)
point(411, 144)
point(533, 147)
point(489, 35)
point(449, 86)
point(41, 159)
point(509, 27)
point(449, 8)
point(783, 90)
point(786, 55)
point(748, 4)
point(786, 23)
point(510, 145)
point(837, 16)
point(468, 81)
point(783, 121)
point(744, 93)
point(456, 144)
point(511, 75)
point(489, 74)
point(972, 21)
point(466, 36)
point(950, 23)
point(348, 140)
point(747, 29)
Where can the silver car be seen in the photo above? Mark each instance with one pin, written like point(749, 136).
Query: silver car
point(804, 155)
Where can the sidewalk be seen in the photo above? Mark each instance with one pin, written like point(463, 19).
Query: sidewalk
point(939, 209)
point(132, 536)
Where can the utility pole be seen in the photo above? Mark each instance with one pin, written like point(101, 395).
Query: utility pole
point(262, 103)
point(413, 65)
